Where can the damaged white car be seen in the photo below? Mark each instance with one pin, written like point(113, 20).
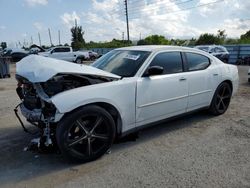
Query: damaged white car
point(82, 109)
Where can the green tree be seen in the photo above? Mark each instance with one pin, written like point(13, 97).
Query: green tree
point(78, 41)
point(221, 34)
point(245, 38)
point(3, 45)
point(208, 39)
point(154, 40)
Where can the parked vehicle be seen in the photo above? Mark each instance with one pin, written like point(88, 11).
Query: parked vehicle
point(216, 50)
point(66, 53)
point(245, 60)
point(249, 75)
point(87, 107)
point(36, 49)
point(92, 55)
point(16, 54)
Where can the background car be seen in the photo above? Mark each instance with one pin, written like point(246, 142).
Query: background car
point(92, 55)
point(16, 54)
point(216, 50)
point(84, 108)
point(65, 53)
point(249, 75)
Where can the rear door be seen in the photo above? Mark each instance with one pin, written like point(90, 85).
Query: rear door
point(200, 80)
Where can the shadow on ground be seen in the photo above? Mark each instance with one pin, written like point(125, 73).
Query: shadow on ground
point(17, 165)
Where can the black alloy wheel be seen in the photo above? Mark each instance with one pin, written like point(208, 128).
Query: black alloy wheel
point(86, 134)
point(221, 99)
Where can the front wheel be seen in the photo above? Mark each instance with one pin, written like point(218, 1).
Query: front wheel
point(78, 60)
point(85, 134)
point(221, 99)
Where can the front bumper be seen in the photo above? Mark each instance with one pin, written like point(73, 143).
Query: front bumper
point(34, 115)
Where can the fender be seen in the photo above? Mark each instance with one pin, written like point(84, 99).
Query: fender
point(120, 94)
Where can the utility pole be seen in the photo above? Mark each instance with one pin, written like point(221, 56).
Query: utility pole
point(39, 39)
point(76, 30)
point(50, 37)
point(122, 36)
point(126, 13)
point(31, 40)
point(140, 36)
point(59, 37)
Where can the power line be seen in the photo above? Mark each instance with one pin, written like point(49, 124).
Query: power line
point(152, 4)
point(158, 4)
point(155, 8)
point(184, 9)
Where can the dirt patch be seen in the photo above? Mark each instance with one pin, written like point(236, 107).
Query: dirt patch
point(198, 150)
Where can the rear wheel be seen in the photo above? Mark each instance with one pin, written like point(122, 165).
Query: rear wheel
point(86, 134)
point(78, 60)
point(221, 99)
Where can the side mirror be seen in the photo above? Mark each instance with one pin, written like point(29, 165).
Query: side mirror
point(154, 70)
point(51, 51)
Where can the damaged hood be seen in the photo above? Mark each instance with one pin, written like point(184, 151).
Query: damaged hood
point(37, 68)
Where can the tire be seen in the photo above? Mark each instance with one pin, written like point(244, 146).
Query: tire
point(86, 134)
point(78, 60)
point(225, 60)
point(221, 99)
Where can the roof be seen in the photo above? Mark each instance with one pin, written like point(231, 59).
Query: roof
point(155, 48)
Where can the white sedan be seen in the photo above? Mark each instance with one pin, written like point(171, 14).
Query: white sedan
point(82, 109)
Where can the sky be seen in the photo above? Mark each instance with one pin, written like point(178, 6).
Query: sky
point(103, 20)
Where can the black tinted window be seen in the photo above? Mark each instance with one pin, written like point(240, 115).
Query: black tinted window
point(65, 50)
point(170, 61)
point(197, 61)
point(57, 50)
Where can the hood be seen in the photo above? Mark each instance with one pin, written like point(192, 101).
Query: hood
point(46, 54)
point(37, 68)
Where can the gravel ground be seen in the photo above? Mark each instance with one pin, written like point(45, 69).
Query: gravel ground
point(197, 150)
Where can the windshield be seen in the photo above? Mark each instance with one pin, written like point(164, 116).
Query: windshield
point(124, 63)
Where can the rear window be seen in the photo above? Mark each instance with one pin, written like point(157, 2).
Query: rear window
point(197, 61)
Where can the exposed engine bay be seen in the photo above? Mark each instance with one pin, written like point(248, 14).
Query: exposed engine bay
point(36, 105)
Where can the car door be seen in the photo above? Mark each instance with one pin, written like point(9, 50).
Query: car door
point(56, 53)
point(201, 76)
point(162, 96)
point(66, 54)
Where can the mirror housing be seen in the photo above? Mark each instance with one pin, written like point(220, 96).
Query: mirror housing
point(154, 70)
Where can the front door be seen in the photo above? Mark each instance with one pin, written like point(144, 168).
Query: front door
point(165, 95)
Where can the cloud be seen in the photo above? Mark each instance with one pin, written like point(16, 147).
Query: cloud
point(214, 7)
point(106, 20)
point(39, 26)
point(2, 27)
point(69, 19)
point(36, 2)
point(236, 27)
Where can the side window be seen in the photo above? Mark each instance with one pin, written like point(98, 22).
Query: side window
point(65, 50)
point(197, 61)
point(219, 50)
point(57, 50)
point(170, 61)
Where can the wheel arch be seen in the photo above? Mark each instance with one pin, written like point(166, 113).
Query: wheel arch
point(229, 82)
point(111, 109)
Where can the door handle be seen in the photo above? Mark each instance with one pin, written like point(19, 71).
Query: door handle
point(215, 74)
point(182, 79)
